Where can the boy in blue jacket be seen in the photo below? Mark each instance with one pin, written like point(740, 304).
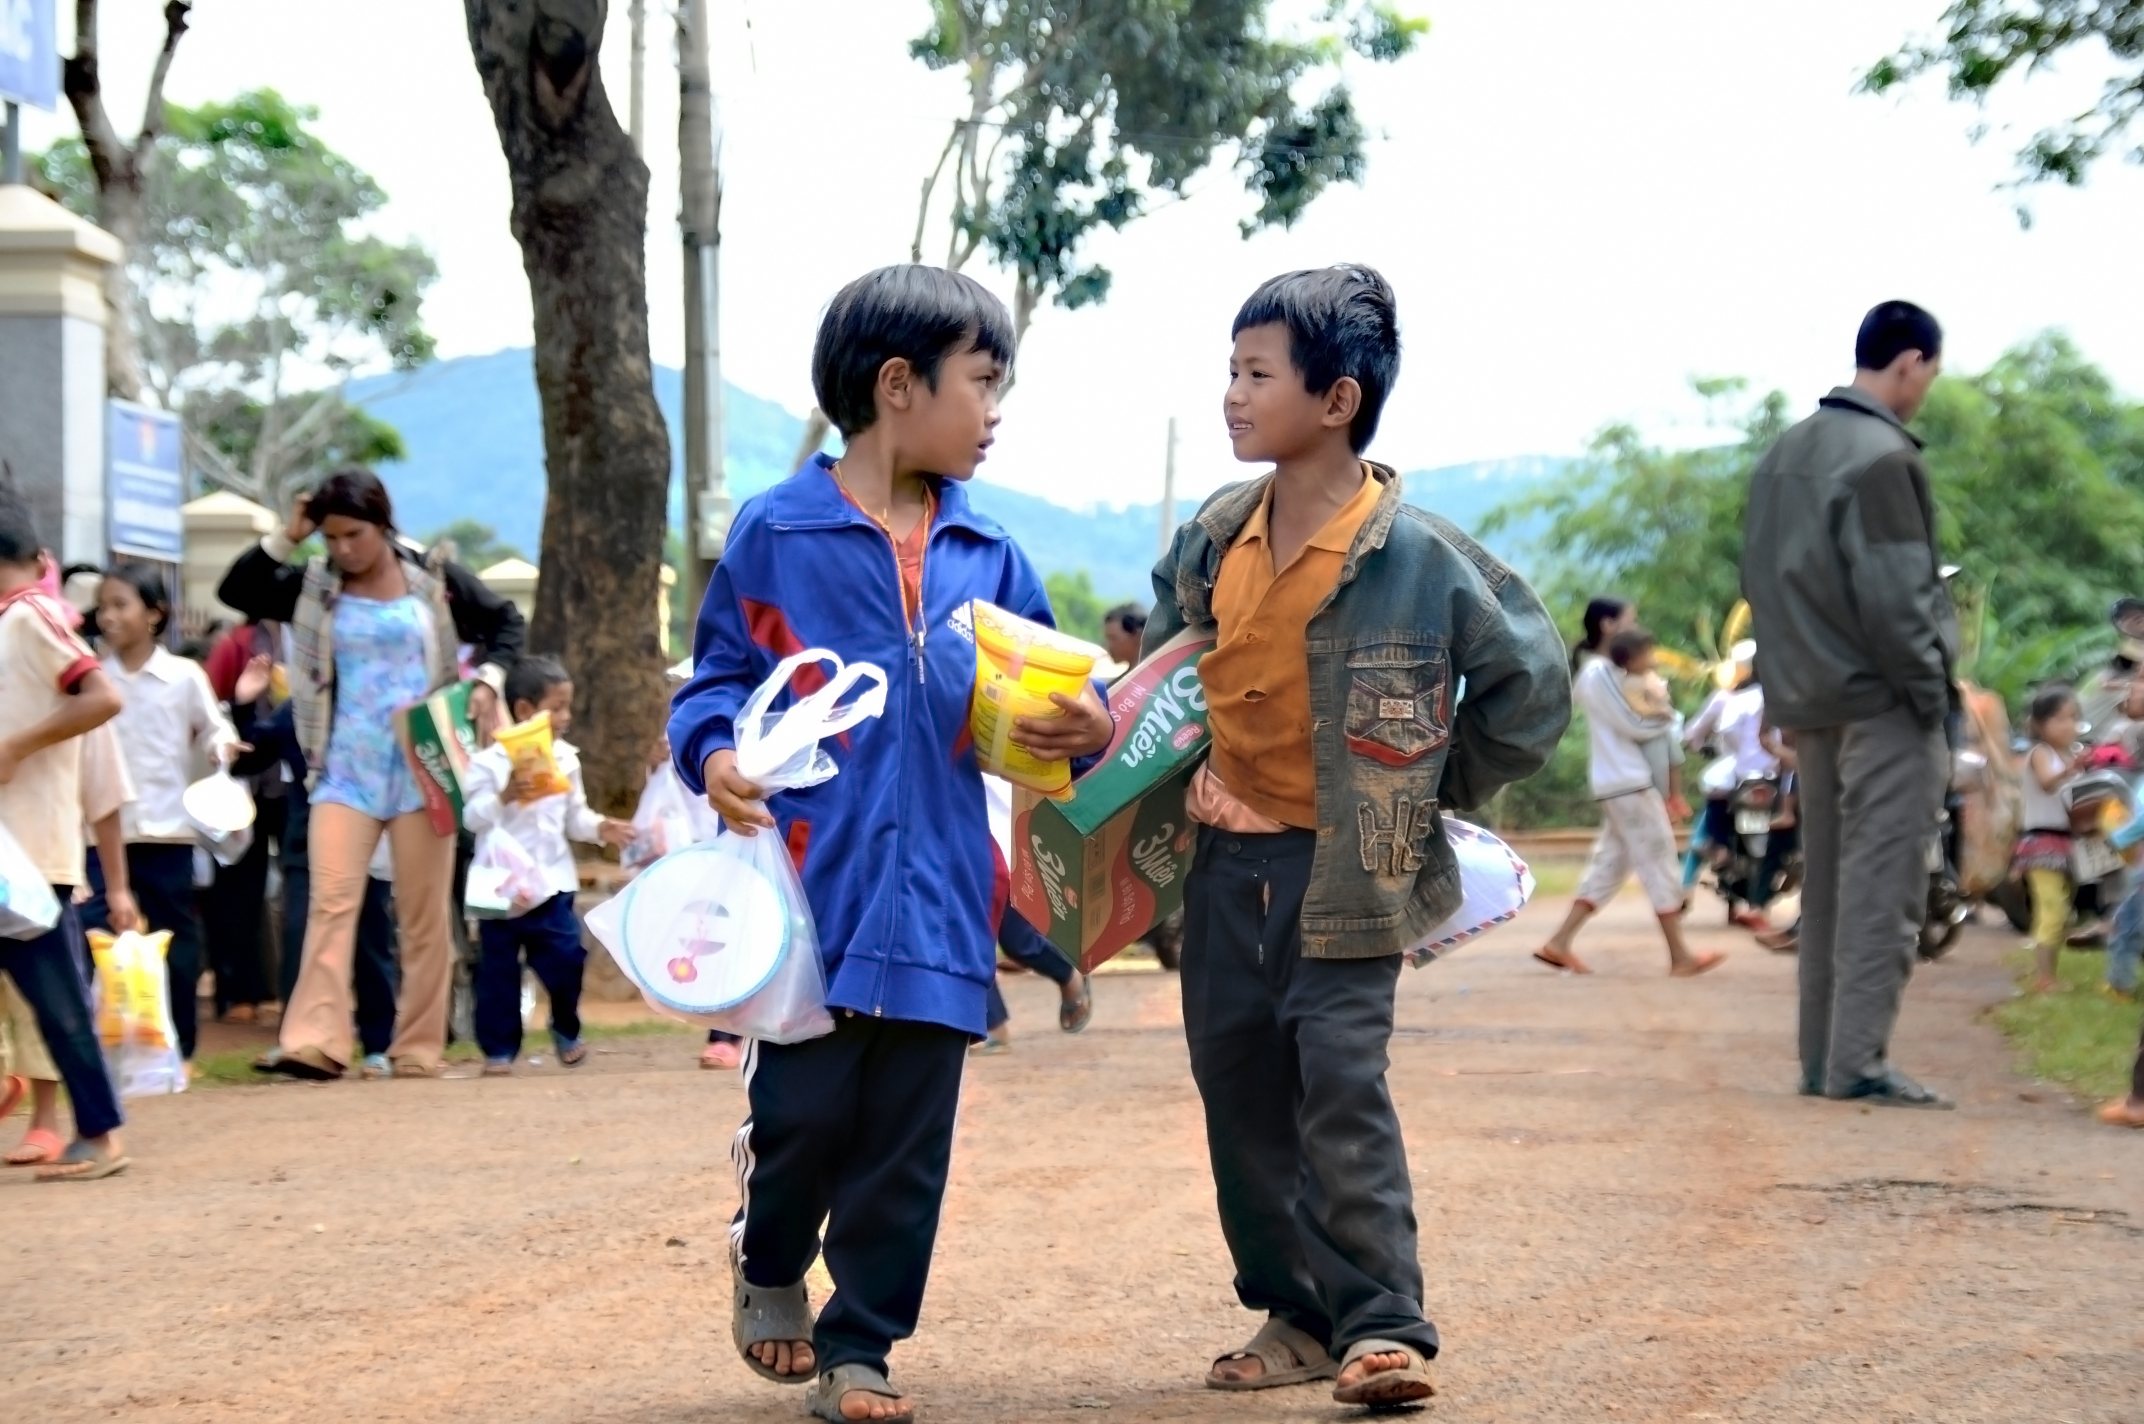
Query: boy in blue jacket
point(876, 557)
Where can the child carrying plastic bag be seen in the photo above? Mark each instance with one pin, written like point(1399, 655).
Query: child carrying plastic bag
point(141, 1045)
point(1494, 886)
point(719, 934)
point(27, 905)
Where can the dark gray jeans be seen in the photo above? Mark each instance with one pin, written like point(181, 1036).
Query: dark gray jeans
point(1870, 793)
point(1289, 1055)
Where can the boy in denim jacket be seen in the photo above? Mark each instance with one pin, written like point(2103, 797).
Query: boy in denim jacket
point(1347, 625)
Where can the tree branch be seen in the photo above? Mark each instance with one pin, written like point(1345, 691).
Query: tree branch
point(930, 185)
point(108, 155)
point(152, 118)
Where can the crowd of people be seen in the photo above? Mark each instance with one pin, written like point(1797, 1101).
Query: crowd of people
point(1434, 679)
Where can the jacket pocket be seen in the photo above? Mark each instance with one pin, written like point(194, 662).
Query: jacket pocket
point(1399, 702)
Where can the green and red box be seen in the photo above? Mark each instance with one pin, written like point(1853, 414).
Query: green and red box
point(1096, 871)
point(439, 738)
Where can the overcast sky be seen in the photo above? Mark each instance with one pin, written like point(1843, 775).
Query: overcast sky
point(1580, 206)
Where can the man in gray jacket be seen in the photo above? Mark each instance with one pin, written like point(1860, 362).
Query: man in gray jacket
point(1855, 639)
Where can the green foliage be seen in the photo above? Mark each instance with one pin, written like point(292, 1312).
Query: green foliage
point(1083, 111)
point(477, 545)
point(1560, 794)
point(1983, 42)
point(1661, 528)
point(259, 285)
point(1077, 606)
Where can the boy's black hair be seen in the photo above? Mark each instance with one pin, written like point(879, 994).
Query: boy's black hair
point(924, 314)
point(1890, 330)
point(149, 587)
point(531, 678)
point(354, 493)
point(1630, 644)
point(1342, 321)
point(2048, 702)
point(1128, 616)
point(19, 544)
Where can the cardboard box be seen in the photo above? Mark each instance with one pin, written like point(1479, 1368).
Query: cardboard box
point(1096, 871)
point(439, 739)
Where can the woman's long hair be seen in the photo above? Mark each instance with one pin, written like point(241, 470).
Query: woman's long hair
point(1599, 614)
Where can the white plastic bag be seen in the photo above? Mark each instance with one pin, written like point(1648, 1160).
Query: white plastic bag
point(504, 879)
point(720, 934)
point(668, 818)
point(1494, 883)
point(28, 907)
point(133, 1004)
point(222, 811)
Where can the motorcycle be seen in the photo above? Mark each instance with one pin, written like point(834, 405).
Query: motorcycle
point(1749, 859)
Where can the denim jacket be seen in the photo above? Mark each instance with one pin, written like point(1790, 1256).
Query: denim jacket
point(1422, 618)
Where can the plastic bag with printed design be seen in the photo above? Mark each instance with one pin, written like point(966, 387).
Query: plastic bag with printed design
point(720, 933)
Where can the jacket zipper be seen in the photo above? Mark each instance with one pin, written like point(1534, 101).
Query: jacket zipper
point(913, 637)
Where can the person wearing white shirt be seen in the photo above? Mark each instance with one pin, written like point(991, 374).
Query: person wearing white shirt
point(498, 798)
point(170, 724)
point(1637, 836)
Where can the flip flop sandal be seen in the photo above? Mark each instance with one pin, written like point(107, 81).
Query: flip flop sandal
point(37, 1147)
point(1289, 1355)
point(1075, 1016)
point(412, 1068)
point(1388, 1389)
point(309, 1064)
point(574, 1055)
point(759, 1316)
point(841, 1380)
point(84, 1163)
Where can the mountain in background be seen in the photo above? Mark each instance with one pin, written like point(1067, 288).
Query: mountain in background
point(475, 439)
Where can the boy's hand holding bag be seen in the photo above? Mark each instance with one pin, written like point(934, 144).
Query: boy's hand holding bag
point(720, 934)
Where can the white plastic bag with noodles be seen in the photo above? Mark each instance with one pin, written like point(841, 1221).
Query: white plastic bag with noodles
point(28, 908)
point(133, 1004)
point(720, 934)
point(1494, 886)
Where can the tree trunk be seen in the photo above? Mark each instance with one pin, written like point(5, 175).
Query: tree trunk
point(580, 214)
point(707, 502)
point(122, 171)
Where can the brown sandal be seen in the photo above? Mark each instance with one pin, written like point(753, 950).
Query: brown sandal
point(1387, 1389)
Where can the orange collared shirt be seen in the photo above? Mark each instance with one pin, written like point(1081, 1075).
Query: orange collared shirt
point(1257, 677)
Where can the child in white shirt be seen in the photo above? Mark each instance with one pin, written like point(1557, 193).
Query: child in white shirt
point(497, 798)
point(171, 727)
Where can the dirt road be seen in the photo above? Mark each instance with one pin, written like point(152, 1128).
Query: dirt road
point(1626, 1214)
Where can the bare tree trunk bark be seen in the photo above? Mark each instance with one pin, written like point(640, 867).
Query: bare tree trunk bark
point(580, 214)
point(707, 502)
point(122, 171)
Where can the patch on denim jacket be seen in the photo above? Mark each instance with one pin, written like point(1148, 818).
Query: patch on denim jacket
point(1395, 838)
point(1398, 703)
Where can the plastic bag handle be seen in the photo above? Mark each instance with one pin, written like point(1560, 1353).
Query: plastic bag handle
point(762, 750)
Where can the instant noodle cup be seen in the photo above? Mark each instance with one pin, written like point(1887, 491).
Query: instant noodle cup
point(1018, 664)
point(528, 747)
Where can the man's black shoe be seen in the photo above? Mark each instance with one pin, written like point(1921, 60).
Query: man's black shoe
point(1893, 1089)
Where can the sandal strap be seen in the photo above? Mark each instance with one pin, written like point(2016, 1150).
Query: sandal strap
point(841, 1379)
point(771, 1313)
point(1280, 1346)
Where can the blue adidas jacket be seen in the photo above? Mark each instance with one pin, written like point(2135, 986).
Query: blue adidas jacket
point(897, 858)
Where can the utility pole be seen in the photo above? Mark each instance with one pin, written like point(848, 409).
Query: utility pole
point(707, 502)
point(1168, 491)
point(11, 145)
point(637, 106)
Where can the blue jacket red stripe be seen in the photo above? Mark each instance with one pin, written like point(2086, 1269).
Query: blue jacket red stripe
point(902, 873)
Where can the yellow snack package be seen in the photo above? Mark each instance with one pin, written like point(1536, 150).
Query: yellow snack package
point(528, 747)
point(141, 1045)
point(131, 998)
point(1018, 664)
